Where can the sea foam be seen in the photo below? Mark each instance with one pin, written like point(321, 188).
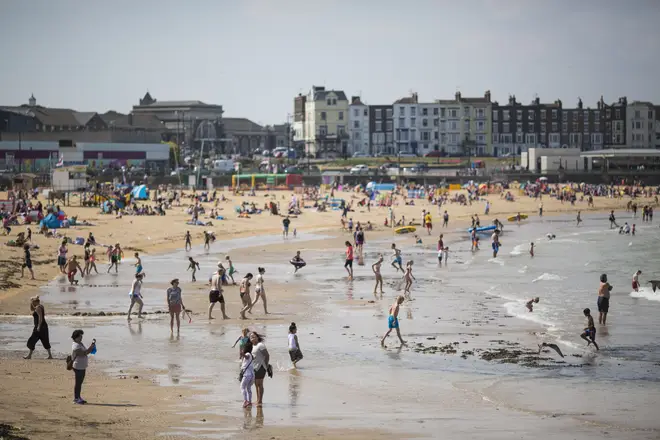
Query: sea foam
point(548, 277)
point(646, 293)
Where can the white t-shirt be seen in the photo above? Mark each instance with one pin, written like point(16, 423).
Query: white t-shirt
point(135, 288)
point(635, 278)
point(248, 365)
point(79, 361)
point(259, 353)
point(292, 342)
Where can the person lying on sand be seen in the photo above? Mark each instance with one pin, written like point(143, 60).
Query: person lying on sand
point(553, 346)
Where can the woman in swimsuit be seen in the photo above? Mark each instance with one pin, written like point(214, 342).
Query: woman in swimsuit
point(244, 289)
point(259, 290)
point(92, 261)
point(379, 278)
point(409, 278)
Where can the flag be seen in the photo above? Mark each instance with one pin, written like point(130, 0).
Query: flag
point(60, 162)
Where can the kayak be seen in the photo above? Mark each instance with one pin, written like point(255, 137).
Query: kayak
point(514, 218)
point(483, 229)
point(405, 229)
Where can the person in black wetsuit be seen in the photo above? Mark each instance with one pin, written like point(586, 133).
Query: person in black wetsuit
point(40, 331)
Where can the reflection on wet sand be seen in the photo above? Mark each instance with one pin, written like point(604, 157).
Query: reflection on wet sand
point(294, 390)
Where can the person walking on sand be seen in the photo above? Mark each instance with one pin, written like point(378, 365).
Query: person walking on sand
point(397, 262)
point(215, 295)
point(92, 262)
point(27, 261)
point(72, 267)
point(635, 280)
point(79, 363)
point(40, 330)
point(428, 222)
point(244, 292)
point(285, 226)
point(348, 264)
point(589, 333)
point(259, 289)
point(231, 270)
point(194, 266)
point(61, 256)
point(379, 278)
point(408, 277)
point(188, 239)
point(207, 241)
point(603, 299)
point(87, 255)
point(393, 321)
point(136, 296)
point(175, 304)
point(247, 375)
point(612, 220)
point(261, 364)
point(294, 346)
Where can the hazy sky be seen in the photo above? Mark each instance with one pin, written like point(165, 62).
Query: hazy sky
point(254, 56)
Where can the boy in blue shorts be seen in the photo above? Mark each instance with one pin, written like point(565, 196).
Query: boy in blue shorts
point(393, 321)
point(589, 333)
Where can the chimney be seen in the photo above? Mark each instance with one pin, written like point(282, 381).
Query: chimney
point(580, 103)
point(130, 119)
point(537, 101)
point(414, 97)
point(32, 101)
point(458, 96)
point(559, 103)
point(512, 100)
point(354, 99)
point(487, 95)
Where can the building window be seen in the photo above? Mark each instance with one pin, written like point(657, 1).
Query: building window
point(575, 138)
point(575, 116)
point(519, 115)
point(543, 115)
point(519, 138)
point(618, 114)
point(575, 126)
point(496, 127)
point(530, 115)
point(356, 124)
point(496, 138)
point(435, 111)
point(554, 138)
point(425, 112)
point(323, 130)
point(542, 127)
point(443, 113)
point(554, 126)
point(638, 114)
point(426, 136)
point(402, 111)
point(379, 126)
point(379, 113)
point(495, 113)
point(564, 127)
point(466, 125)
point(341, 116)
point(481, 138)
point(530, 139)
point(388, 113)
point(413, 122)
point(329, 101)
point(356, 112)
point(425, 122)
point(356, 135)
point(453, 113)
point(453, 138)
point(466, 112)
point(402, 122)
point(585, 129)
point(505, 115)
point(554, 113)
point(519, 127)
point(413, 111)
point(480, 113)
point(564, 116)
point(596, 126)
point(388, 125)
point(323, 116)
point(334, 101)
point(388, 136)
point(454, 126)
point(608, 114)
point(435, 135)
point(505, 127)
point(365, 113)
point(443, 138)
point(436, 122)
point(481, 125)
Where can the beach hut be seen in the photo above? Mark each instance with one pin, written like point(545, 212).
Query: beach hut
point(23, 181)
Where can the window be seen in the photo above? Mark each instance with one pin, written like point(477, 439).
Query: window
point(323, 130)
point(436, 122)
point(435, 111)
point(586, 115)
point(356, 135)
point(496, 138)
point(329, 101)
point(618, 114)
point(564, 127)
point(481, 138)
point(466, 112)
point(435, 135)
point(413, 111)
point(454, 113)
point(575, 126)
point(638, 114)
point(480, 113)
point(496, 127)
point(425, 122)
point(554, 138)
point(413, 122)
point(323, 116)
point(554, 127)
point(442, 113)
point(388, 125)
point(543, 127)
point(356, 112)
point(608, 113)
point(530, 115)
point(519, 127)
point(530, 139)
point(379, 113)
point(519, 138)
point(425, 111)
point(564, 116)
point(426, 136)
point(505, 127)
point(454, 126)
point(466, 125)
point(334, 101)
point(554, 113)
point(388, 136)
point(356, 124)
point(402, 111)
point(575, 116)
point(519, 115)
point(341, 116)
point(402, 122)
point(650, 116)
point(453, 138)
point(495, 113)
point(481, 125)
point(543, 114)
point(365, 113)
point(506, 138)
point(379, 126)
point(596, 115)
point(596, 126)
point(585, 127)
point(575, 138)
point(443, 138)
point(388, 113)
point(505, 114)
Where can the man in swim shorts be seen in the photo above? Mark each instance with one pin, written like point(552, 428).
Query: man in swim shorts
point(215, 295)
point(397, 261)
point(635, 280)
point(285, 226)
point(496, 242)
point(603, 299)
point(393, 321)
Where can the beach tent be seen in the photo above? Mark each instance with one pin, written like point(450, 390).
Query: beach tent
point(51, 222)
point(140, 192)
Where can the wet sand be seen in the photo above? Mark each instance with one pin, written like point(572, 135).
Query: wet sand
point(461, 372)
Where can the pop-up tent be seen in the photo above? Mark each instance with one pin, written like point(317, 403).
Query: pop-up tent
point(51, 222)
point(140, 192)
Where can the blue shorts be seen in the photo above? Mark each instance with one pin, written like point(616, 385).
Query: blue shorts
point(138, 268)
point(398, 260)
point(392, 322)
point(496, 247)
point(285, 228)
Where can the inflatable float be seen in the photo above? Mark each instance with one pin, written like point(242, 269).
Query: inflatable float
point(514, 218)
point(483, 229)
point(405, 229)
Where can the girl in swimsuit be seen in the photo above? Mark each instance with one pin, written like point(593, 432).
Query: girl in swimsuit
point(379, 278)
point(260, 291)
point(244, 289)
point(92, 262)
point(409, 279)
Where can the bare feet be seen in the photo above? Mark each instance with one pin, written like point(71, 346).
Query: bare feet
point(225, 317)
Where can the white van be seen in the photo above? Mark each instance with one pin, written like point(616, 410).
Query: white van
point(224, 165)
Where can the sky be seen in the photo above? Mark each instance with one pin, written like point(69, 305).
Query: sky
point(254, 56)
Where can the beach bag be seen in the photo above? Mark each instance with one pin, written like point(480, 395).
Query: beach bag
point(69, 363)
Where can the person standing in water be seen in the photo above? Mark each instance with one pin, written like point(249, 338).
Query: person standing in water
point(138, 263)
point(635, 280)
point(379, 278)
point(72, 267)
point(244, 292)
point(188, 241)
point(194, 266)
point(40, 330)
point(496, 243)
point(215, 295)
point(232, 270)
point(409, 277)
point(445, 219)
point(603, 299)
point(61, 256)
point(579, 218)
point(294, 346)
point(136, 296)
point(242, 342)
point(531, 249)
point(247, 375)
point(589, 333)
point(285, 226)
point(348, 264)
point(393, 321)
point(259, 289)
point(396, 258)
point(175, 305)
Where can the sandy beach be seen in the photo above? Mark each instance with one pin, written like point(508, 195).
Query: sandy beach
point(154, 404)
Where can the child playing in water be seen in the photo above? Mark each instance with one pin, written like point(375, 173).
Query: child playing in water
point(589, 333)
point(297, 262)
point(247, 376)
point(409, 278)
point(242, 341)
point(188, 241)
point(194, 266)
point(393, 321)
point(396, 258)
point(231, 271)
point(348, 264)
point(92, 262)
point(635, 280)
point(531, 249)
point(138, 264)
point(379, 278)
point(294, 347)
point(530, 303)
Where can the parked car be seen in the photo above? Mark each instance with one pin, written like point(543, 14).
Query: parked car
point(359, 154)
point(293, 170)
point(360, 169)
point(404, 154)
point(435, 153)
point(417, 168)
point(389, 166)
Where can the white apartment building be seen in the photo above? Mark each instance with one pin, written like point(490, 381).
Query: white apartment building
point(405, 124)
point(325, 125)
point(429, 128)
point(465, 121)
point(641, 125)
point(358, 127)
